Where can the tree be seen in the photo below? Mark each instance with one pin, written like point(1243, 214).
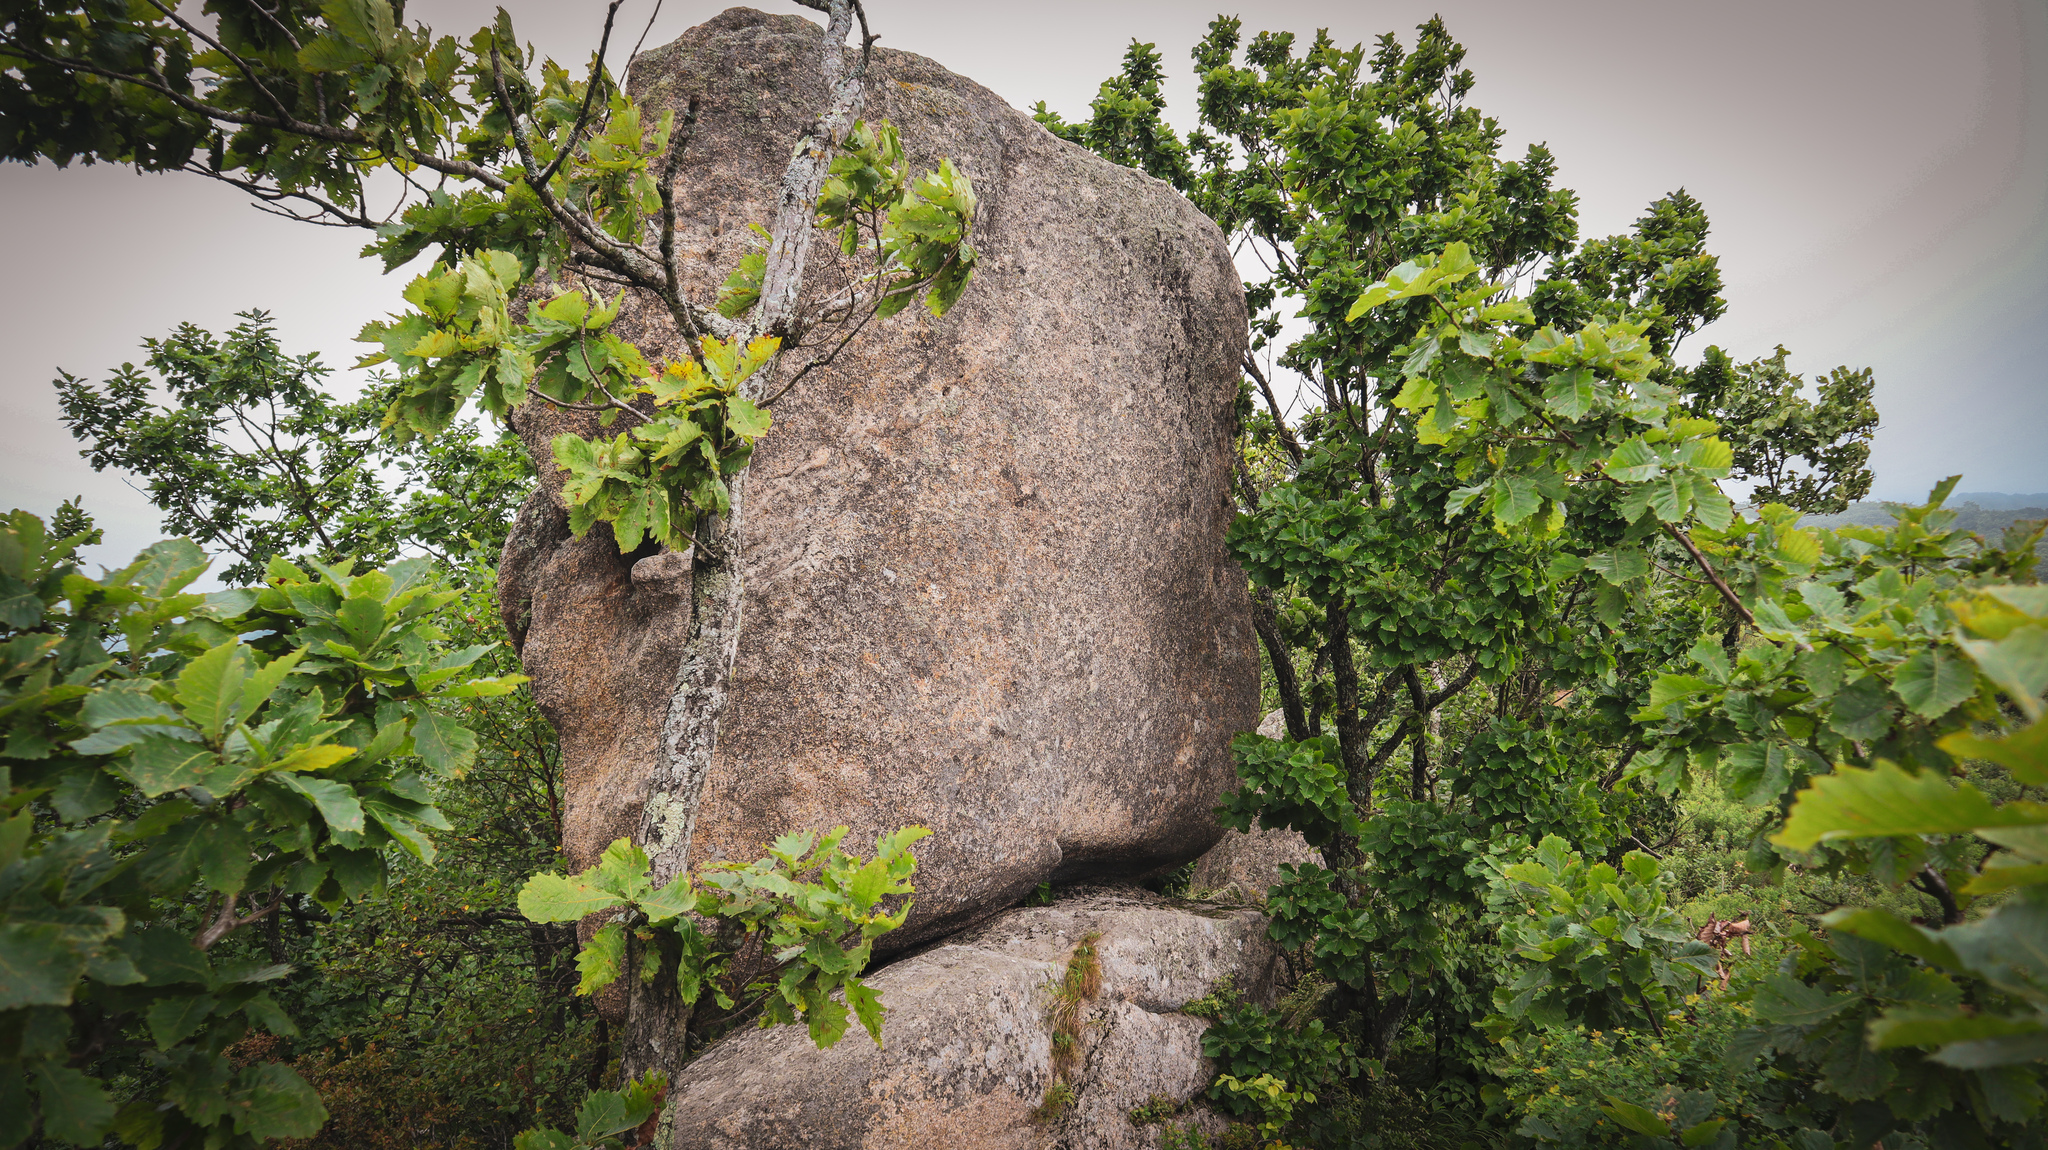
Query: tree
point(1496, 617)
point(300, 105)
point(249, 746)
point(249, 454)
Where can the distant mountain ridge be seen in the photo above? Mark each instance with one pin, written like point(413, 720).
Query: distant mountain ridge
point(1988, 513)
point(2001, 500)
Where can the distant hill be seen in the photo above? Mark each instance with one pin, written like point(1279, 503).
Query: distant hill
point(2001, 501)
point(1986, 513)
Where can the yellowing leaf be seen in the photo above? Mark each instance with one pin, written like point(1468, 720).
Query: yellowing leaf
point(314, 758)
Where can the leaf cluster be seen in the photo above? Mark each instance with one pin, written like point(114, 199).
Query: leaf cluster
point(170, 752)
point(812, 909)
point(1593, 942)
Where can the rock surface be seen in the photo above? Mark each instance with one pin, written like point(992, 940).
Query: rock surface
point(1242, 866)
point(986, 583)
point(967, 1043)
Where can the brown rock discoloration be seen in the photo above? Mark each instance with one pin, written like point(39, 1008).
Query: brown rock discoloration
point(967, 1046)
point(986, 585)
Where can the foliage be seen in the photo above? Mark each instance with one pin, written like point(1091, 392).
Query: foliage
point(815, 909)
point(1250, 1042)
point(178, 766)
point(603, 1116)
point(1596, 944)
point(1502, 500)
point(1770, 425)
point(432, 1013)
point(300, 104)
point(248, 453)
point(1271, 1099)
point(1570, 1086)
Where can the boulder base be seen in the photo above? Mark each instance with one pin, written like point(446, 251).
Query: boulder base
point(967, 1043)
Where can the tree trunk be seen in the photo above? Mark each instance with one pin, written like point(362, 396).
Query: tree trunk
point(655, 1036)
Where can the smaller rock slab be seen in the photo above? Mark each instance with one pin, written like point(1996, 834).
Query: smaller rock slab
point(967, 1054)
point(1242, 866)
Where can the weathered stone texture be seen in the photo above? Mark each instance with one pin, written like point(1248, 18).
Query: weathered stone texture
point(1243, 866)
point(986, 584)
point(967, 1050)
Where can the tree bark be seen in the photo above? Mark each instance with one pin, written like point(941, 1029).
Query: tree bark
point(1266, 621)
point(655, 1036)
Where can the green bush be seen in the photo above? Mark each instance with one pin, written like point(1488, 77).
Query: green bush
point(180, 767)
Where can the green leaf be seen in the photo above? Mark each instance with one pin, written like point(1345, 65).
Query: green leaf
point(2023, 752)
point(554, 898)
point(742, 418)
point(601, 959)
point(1373, 297)
point(1931, 683)
point(670, 901)
point(361, 618)
point(280, 1103)
point(211, 685)
point(76, 1108)
point(222, 851)
point(1888, 929)
point(867, 1006)
point(1620, 566)
point(1633, 462)
point(1670, 497)
point(1862, 710)
point(447, 746)
point(2018, 663)
point(80, 794)
point(159, 765)
point(1853, 803)
point(1919, 1026)
point(165, 957)
point(1703, 1133)
point(543, 1140)
point(314, 758)
point(265, 680)
point(40, 964)
point(1573, 394)
point(621, 869)
point(828, 1019)
point(603, 1113)
point(2009, 946)
point(1783, 1000)
point(1986, 1053)
point(1636, 1118)
point(264, 1011)
point(337, 803)
point(173, 1020)
point(15, 1114)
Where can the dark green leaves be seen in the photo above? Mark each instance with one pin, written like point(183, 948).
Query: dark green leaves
point(228, 757)
point(1786, 1001)
point(1862, 710)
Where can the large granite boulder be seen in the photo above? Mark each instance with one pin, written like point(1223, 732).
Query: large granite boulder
point(967, 1048)
point(986, 583)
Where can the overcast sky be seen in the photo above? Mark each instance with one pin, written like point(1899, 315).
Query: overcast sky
point(1876, 172)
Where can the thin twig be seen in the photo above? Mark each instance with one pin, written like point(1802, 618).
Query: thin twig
point(589, 90)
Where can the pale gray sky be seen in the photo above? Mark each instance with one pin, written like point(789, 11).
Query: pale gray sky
point(1876, 172)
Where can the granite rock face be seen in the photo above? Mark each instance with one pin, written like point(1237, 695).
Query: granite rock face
point(1242, 866)
point(967, 1051)
point(986, 588)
